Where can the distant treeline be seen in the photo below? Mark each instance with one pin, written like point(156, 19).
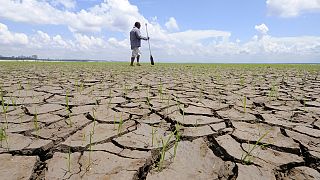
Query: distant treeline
point(18, 58)
point(30, 58)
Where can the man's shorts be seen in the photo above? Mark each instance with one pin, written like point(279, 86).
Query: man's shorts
point(136, 52)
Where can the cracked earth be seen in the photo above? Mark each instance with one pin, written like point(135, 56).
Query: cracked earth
point(111, 121)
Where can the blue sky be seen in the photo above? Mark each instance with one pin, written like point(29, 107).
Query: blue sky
point(181, 31)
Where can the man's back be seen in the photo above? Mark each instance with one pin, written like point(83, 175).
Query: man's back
point(135, 38)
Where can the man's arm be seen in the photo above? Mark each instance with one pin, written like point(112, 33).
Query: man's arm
point(139, 36)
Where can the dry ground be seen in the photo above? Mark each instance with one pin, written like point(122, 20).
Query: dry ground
point(171, 121)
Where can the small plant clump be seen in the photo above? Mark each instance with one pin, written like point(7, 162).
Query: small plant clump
point(4, 136)
point(178, 137)
point(242, 81)
point(247, 157)
point(94, 119)
point(13, 102)
point(273, 93)
point(4, 109)
point(81, 87)
point(177, 133)
point(165, 144)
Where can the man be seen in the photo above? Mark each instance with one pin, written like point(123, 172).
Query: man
point(135, 41)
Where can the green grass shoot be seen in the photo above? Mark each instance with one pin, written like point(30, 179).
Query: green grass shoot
point(247, 157)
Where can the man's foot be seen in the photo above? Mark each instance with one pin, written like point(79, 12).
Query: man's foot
point(131, 64)
point(138, 64)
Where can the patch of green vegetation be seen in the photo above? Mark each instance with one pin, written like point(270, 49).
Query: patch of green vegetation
point(4, 109)
point(247, 157)
point(4, 136)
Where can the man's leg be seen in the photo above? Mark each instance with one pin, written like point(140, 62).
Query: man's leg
point(138, 58)
point(132, 60)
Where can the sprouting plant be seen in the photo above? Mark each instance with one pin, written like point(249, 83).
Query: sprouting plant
point(160, 90)
point(83, 138)
point(20, 86)
point(242, 81)
point(4, 109)
point(81, 86)
point(90, 147)
point(163, 150)
point(94, 119)
point(70, 121)
point(125, 88)
point(247, 157)
point(148, 97)
point(29, 85)
point(273, 92)
point(35, 123)
point(244, 104)
point(13, 102)
point(4, 136)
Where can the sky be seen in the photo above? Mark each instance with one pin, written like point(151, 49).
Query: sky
point(202, 31)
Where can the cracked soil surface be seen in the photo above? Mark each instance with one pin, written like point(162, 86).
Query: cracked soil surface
point(170, 121)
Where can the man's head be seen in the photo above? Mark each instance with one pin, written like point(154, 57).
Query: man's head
point(137, 24)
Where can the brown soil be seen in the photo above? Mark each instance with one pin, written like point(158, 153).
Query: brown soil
point(112, 121)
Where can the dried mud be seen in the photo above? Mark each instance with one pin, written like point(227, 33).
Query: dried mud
point(112, 121)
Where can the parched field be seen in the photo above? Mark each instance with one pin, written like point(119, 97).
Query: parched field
point(170, 121)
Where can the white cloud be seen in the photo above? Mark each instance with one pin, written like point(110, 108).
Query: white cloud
point(192, 36)
point(43, 37)
point(262, 29)
point(30, 11)
point(292, 8)
point(171, 24)
point(199, 46)
point(119, 44)
point(69, 4)
point(117, 15)
point(59, 42)
point(88, 42)
point(167, 41)
point(9, 38)
point(43, 41)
